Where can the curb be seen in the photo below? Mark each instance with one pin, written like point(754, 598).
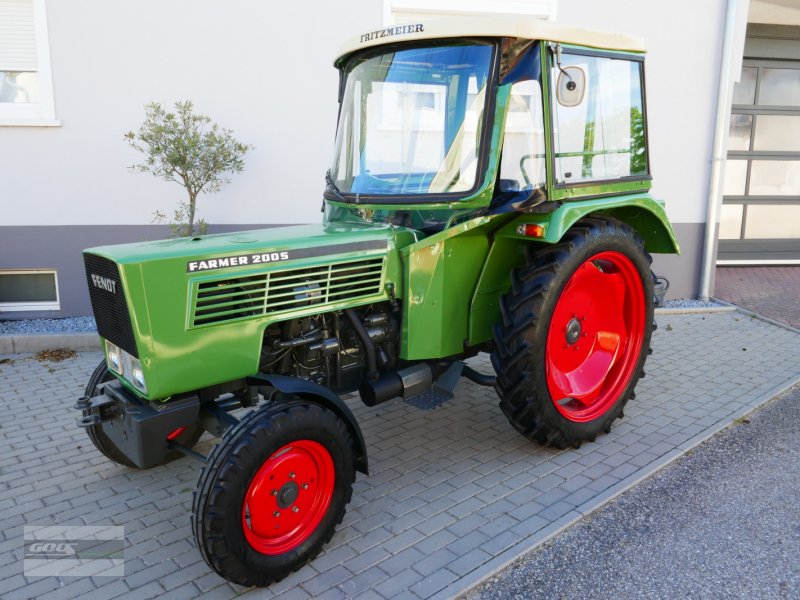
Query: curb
point(755, 315)
point(695, 310)
point(36, 342)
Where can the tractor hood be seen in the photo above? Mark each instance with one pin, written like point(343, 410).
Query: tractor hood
point(170, 303)
point(292, 242)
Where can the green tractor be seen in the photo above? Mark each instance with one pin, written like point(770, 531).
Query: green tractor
point(488, 193)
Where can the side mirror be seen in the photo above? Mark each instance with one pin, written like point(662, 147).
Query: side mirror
point(571, 86)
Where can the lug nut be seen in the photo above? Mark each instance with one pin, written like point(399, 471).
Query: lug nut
point(295, 509)
point(277, 513)
point(291, 475)
point(305, 486)
point(274, 492)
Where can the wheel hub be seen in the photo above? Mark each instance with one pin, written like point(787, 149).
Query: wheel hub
point(288, 497)
point(596, 333)
point(288, 494)
point(573, 331)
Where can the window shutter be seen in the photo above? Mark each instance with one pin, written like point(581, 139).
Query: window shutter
point(17, 36)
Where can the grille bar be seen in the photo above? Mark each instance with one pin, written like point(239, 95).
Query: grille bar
point(107, 295)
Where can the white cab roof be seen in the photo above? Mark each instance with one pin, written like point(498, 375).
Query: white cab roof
point(526, 28)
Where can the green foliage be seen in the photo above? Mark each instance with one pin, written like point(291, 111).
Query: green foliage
point(638, 156)
point(192, 151)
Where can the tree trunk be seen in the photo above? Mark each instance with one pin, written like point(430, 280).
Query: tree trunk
point(192, 200)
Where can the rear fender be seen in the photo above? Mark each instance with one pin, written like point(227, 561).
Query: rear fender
point(641, 211)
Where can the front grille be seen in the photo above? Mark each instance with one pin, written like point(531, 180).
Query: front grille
point(108, 302)
point(231, 299)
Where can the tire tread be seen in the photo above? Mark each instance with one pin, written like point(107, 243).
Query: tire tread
point(522, 399)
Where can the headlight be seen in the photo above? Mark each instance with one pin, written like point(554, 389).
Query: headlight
point(136, 375)
point(114, 357)
point(126, 365)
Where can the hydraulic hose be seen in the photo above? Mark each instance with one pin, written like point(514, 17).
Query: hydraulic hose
point(369, 345)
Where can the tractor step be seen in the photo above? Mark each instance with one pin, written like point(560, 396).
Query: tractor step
point(441, 391)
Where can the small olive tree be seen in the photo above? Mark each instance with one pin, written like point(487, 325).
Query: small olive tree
point(189, 149)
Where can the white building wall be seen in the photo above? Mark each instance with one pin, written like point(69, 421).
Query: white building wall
point(263, 69)
point(684, 43)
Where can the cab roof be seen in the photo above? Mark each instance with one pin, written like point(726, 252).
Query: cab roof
point(458, 27)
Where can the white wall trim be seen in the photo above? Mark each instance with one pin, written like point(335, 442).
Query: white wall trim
point(30, 123)
point(44, 112)
point(755, 262)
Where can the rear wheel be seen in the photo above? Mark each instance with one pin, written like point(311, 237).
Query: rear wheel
point(575, 334)
point(187, 436)
point(273, 491)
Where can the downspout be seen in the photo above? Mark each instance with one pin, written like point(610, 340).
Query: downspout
point(718, 154)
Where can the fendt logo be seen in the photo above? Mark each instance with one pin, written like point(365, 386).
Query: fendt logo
point(104, 283)
point(52, 549)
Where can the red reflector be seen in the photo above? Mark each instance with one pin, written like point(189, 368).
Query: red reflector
point(531, 230)
point(174, 435)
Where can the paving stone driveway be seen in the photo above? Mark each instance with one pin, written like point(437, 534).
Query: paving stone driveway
point(769, 291)
point(454, 493)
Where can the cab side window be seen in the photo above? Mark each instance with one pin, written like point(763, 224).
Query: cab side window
point(598, 121)
point(523, 161)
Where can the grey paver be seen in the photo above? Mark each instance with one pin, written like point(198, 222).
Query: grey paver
point(331, 558)
point(363, 582)
point(398, 583)
point(328, 579)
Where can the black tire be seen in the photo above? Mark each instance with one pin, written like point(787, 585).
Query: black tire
point(108, 448)
point(520, 355)
point(218, 521)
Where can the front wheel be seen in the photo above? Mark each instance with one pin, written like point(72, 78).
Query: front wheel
point(575, 334)
point(273, 491)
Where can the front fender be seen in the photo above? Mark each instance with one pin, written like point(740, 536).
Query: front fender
point(641, 211)
point(313, 392)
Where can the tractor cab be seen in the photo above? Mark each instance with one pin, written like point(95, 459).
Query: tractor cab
point(444, 121)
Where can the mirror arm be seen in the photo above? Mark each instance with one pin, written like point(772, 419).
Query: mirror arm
point(555, 48)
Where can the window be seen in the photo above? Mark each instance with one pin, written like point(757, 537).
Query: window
point(411, 121)
point(28, 290)
point(26, 92)
point(523, 142)
point(601, 135)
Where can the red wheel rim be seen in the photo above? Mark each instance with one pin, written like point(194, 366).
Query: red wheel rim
point(288, 497)
point(595, 336)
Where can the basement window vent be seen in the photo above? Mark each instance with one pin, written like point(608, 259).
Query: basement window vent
point(28, 290)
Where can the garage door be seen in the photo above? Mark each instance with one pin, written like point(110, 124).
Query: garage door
point(760, 218)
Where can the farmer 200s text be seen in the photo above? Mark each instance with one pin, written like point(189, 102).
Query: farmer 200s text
point(488, 193)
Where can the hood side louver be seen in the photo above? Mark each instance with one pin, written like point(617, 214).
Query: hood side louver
point(234, 298)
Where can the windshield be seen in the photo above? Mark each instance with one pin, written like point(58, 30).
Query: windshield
point(411, 121)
